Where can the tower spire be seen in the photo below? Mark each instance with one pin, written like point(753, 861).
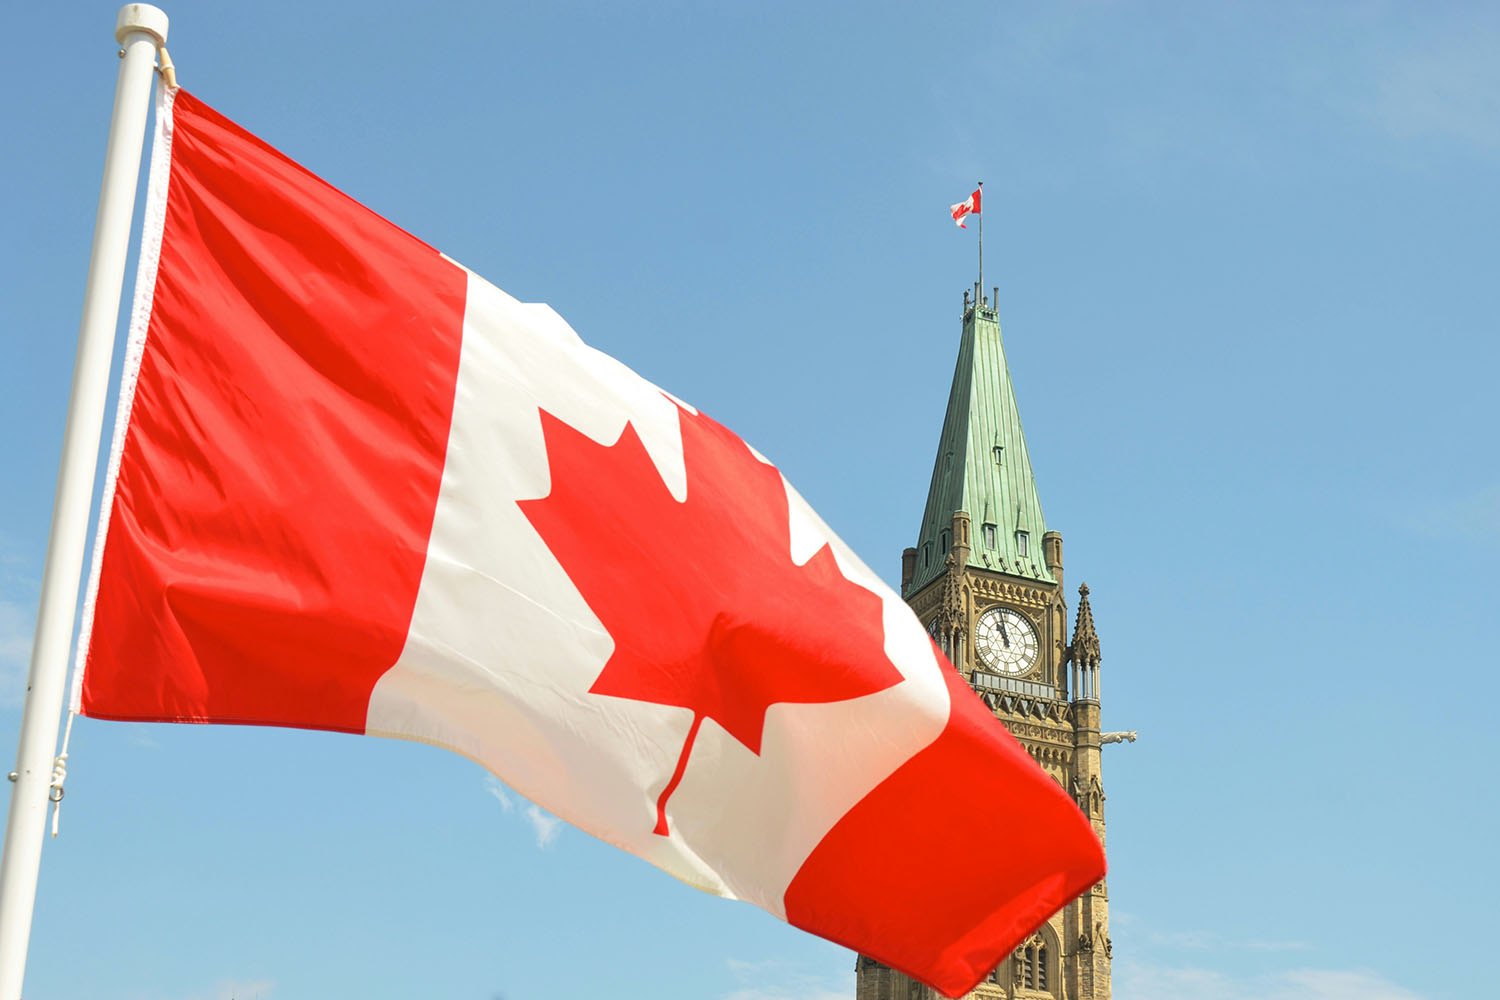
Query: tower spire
point(1085, 645)
point(982, 468)
point(1083, 651)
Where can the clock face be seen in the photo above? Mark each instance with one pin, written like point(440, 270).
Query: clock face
point(1006, 641)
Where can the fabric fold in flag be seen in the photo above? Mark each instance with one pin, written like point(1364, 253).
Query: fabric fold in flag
point(969, 206)
point(356, 487)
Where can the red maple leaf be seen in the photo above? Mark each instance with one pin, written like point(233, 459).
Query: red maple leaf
point(705, 606)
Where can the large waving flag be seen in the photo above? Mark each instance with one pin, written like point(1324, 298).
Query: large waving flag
point(356, 487)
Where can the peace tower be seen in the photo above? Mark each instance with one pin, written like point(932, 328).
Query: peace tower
point(986, 577)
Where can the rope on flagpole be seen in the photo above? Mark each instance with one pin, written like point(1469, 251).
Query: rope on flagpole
point(59, 775)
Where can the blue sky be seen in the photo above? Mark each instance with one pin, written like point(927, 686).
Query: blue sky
point(1246, 257)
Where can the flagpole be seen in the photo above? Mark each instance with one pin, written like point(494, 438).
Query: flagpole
point(980, 296)
point(140, 29)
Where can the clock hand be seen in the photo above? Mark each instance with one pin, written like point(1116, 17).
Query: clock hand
point(1004, 634)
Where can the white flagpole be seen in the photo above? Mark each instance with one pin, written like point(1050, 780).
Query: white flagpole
point(140, 29)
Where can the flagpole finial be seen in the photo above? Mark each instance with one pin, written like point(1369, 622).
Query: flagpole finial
point(141, 17)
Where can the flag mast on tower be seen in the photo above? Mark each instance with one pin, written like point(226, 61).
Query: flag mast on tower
point(963, 210)
point(977, 191)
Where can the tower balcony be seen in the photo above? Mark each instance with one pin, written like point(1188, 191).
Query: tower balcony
point(983, 680)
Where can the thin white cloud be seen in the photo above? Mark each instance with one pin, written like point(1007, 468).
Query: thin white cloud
point(775, 979)
point(252, 989)
point(1260, 944)
point(794, 993)
point(544, 826)
point(1324, 984)
point(1209, 941)
point(236, 989)
point(1138, 980)
point(1473, 517)
point(1418, 76)
point(1446, 85)
point(1155, 964)
point(496, 787)
point(1422, 77)
point(1147, 939)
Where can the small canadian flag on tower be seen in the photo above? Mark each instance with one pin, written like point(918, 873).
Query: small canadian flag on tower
point(966, 208)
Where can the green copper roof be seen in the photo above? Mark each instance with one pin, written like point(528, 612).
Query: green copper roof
point(982, 467)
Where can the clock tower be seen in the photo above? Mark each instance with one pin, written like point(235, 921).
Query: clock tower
point(986, 577)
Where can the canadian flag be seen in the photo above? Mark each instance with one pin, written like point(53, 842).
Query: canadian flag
point(356, 487)
point(969, 206)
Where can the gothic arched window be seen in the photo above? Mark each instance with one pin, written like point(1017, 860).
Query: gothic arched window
point(1032, 971)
